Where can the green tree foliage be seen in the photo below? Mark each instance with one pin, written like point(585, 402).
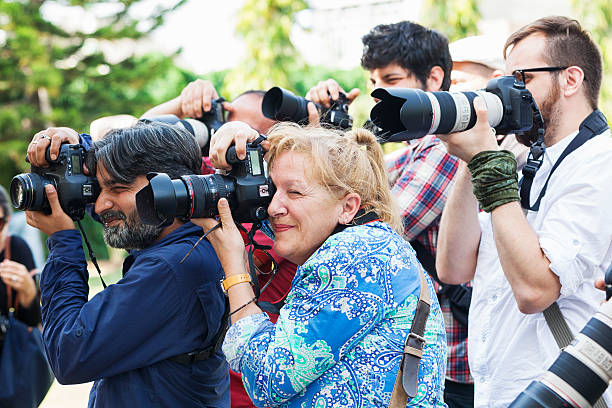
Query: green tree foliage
point(596, 16)
point(454, 18)
point(50, 76)
point(265, 26)
point(53, 77)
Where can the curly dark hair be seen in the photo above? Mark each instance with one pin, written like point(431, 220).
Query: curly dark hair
point(411, 46)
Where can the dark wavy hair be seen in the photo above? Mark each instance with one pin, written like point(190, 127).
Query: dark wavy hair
point(411, 46)
point(146, 147)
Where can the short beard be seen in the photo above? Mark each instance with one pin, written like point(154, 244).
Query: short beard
point(549, 111)
point(131, 234)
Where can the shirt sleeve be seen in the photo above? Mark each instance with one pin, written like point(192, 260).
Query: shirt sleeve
point(279, 361)
point(85, 140)
point(120, 329)
point(422, 184)
point(575, 233)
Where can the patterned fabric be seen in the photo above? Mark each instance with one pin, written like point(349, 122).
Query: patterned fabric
point(421, 176)
point(339, 337)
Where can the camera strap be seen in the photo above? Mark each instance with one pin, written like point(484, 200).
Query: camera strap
point(593, 125)
point(407, 379)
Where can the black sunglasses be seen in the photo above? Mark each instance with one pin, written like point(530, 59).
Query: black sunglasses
point(519, 74)
point(2, 221)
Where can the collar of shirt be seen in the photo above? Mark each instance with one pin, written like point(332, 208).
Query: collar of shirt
point(552, 153)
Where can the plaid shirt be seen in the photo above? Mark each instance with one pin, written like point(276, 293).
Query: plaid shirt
point(421, 175)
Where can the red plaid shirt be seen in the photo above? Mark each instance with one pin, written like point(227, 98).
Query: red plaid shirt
point(421, 175)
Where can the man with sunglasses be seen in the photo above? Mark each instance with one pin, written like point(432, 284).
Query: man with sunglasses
point(534, 252)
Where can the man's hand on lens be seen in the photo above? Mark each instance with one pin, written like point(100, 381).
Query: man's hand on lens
point(323, 90)
point(465, 145)
point(58, 220)
point(196, 97)
point(232, 133)
point(54, 137)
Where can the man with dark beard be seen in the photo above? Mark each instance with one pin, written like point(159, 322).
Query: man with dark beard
point(532, 256)
point(151, 339)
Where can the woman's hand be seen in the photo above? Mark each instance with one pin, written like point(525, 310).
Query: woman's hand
point(226, 240)
point(16, 276)
point(232, 133)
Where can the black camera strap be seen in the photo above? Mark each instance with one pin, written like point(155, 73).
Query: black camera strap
point(593, 125)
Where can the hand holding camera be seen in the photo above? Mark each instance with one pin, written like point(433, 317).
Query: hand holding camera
point(465, 145)
point(232, 133)
point(50, 138)
point(326, 91)
point(196, 98)
point(53, 221)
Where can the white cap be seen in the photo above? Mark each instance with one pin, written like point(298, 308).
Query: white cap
point(482, 49)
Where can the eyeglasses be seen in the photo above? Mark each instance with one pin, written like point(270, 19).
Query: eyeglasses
point(519, 74)
point(2, 222)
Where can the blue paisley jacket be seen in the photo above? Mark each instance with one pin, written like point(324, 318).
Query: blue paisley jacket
point(339, 337)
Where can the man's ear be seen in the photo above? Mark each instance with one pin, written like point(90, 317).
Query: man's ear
point(574, 77)
point(435, 79)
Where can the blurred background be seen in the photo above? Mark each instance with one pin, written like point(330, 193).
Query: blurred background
point(68, 62)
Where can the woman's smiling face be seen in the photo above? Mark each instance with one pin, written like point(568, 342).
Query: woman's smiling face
point(303, 213)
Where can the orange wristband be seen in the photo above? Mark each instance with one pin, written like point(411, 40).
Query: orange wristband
point(234, 280)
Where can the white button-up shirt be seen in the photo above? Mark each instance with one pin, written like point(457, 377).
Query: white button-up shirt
point(506, 348)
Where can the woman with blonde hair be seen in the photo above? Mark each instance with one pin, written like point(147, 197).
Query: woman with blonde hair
point(340, 335)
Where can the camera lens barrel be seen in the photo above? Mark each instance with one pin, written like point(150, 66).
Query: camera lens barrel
point(581, 373)
point(190, 196)
point(416, 113)
point(280, 104)
point(27, 192)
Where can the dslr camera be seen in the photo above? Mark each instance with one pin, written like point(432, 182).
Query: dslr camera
point(75, 190)
point(247, 188)
point(406, 114)
point(201, 128)
point(282, 105)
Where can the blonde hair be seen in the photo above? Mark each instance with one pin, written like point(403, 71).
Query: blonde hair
point(344, 162)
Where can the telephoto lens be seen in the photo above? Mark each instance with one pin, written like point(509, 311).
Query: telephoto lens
point(247, 189)
point(282, 105)
point(406, 114)
point(581, 373)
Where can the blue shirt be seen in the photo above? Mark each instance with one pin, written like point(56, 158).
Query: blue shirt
point(122, 337)
point(339, 338)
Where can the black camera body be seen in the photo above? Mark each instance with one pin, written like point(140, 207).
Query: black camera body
point(247, 188)
point(75, 190)
point(282, 105)
point(215, 117)
point(406, 114)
